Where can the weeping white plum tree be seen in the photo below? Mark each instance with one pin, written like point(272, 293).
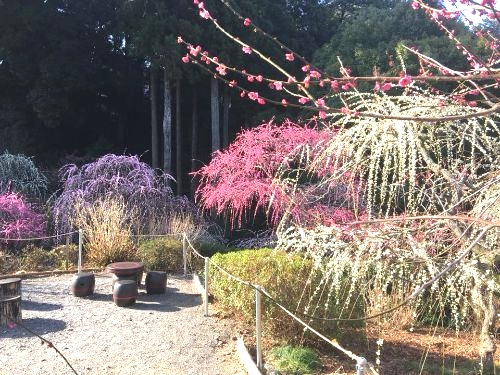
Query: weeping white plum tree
point(418, 157)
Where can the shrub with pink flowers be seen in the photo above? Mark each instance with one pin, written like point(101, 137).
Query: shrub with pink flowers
point(18, 220)
point(241, 180)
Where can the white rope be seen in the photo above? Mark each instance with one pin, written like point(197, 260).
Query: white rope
point(335, 344)
point(37, 238)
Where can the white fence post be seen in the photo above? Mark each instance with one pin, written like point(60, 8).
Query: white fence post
point(184, 253)
point(258, 332)
point(80, 246)
point(361, 366)
point(207, 259)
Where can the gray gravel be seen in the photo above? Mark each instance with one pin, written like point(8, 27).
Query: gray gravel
point(160, 334)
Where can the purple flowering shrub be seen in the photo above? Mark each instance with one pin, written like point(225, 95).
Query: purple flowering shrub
point(18, 220)
point(146, 192)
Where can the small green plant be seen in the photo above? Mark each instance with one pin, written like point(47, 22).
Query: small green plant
point(161, 253)
point(294, 360)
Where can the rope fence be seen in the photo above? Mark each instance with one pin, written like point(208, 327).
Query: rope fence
point(362, 364)
point(7, 239)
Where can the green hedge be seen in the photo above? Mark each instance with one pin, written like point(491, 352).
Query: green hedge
point(161, 254)
point(290, 279)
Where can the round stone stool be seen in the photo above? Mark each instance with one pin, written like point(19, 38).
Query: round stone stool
point(156, 282)
point(125, 292)
point(82, 284)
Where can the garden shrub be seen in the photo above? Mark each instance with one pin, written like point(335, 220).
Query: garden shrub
point(146, 192)
point(107, 231)
point(18, 220)
point(67, 256)
point(18, 174)
point(290, 279)
point(161, 254)
point(35, 258)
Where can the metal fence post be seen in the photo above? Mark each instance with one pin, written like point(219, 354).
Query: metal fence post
point(80, 246)
point(207, 259)
point(184, 253)
point(258, 332)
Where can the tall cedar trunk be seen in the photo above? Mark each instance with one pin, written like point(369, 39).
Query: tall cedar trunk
point(155, 160)
point(178, 139)
point(194, 139)
point(215, 115)
point(225, 115)
point(167, 125)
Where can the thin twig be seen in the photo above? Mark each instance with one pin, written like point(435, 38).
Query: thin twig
point(49, 344)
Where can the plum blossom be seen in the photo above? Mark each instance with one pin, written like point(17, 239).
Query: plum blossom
point(284, 102)
point(386, 86)
point(315, 74)
point(335, 85)
point(405, 80)
point(247, 22)
point(303, 100)
point(289, 56)
point(221, 69)
point(185, 58)
point(259, 78)
point(306, 68)
point(253, 95)
point(194, 50)
point(247, 49)
point(204, 14)
point(278, 85)
point(320, 102)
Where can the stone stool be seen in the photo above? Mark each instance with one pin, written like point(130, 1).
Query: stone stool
point(156, 282)
point(83, 284)
point(125, 292)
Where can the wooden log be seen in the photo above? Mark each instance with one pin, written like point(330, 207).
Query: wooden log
point(10, 311)
point(10, 301)
point(10, 288)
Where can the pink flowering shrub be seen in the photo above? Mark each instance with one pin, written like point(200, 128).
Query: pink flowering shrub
point(18, 220)
point(243, 178)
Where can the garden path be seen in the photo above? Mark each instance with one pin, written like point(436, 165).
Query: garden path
point(160, 334)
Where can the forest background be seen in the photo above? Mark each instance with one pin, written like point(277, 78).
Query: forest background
point(82, 79)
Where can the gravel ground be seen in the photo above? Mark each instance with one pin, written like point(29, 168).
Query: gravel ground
point(160, 334)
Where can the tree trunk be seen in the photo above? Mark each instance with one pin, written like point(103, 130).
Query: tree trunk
point(485, 309)
point(153, 97)
point(167, 125)
point(215, 115)
point(194, 139)
point(10, 301)
point(178, 139)
point(225, 114)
